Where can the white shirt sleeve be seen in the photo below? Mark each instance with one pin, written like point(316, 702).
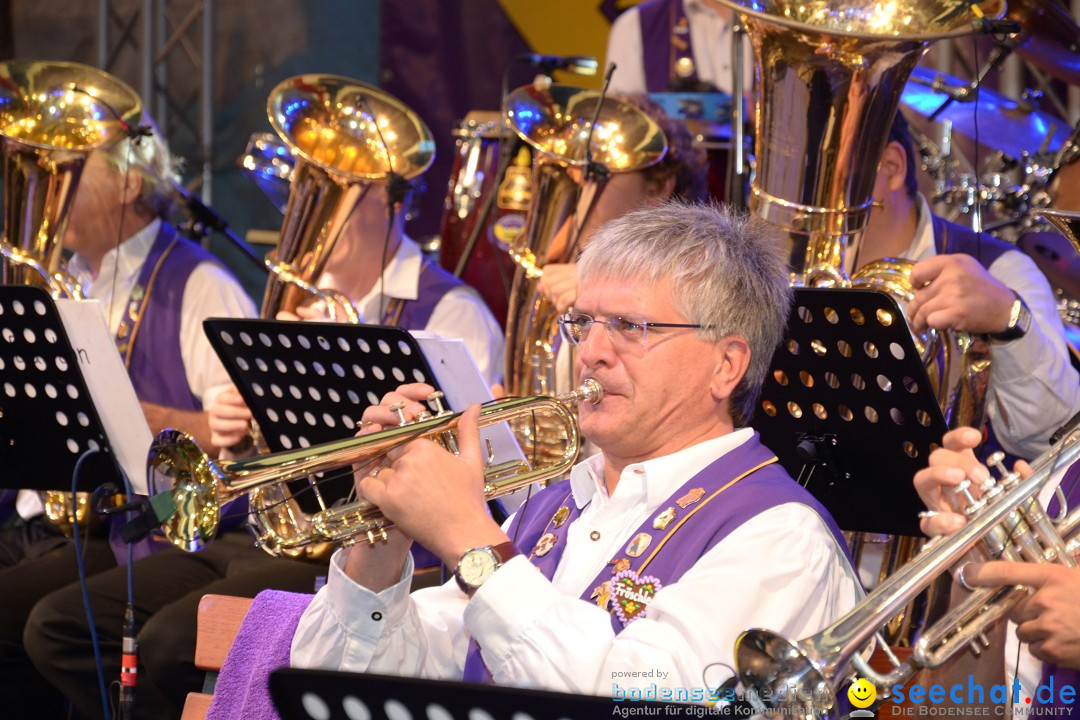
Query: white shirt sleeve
point(461, 313)
point(624, 49)
point(1034, 388)
point(211, 291)
point(782, 571)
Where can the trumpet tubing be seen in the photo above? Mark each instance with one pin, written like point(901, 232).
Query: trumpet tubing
point(200, 485)
point(1006, 522)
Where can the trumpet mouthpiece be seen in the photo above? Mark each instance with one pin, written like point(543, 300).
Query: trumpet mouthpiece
point(590, 390)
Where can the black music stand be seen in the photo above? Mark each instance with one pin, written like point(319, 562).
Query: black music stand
point(47, 417)
point(848, 408)
point(325, 695)
point(308, 383)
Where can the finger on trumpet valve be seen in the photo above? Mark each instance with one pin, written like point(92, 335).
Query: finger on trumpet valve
point(399, 408)
point(436, 398)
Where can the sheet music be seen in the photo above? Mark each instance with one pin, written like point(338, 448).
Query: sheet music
point(109, 386)
point(461, 381)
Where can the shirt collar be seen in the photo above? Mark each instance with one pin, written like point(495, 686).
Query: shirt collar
point(922, 243)
point(657, 478)
point(127, 258)
point(401, 279)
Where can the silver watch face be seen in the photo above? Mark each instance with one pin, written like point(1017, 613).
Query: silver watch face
point(477, 566)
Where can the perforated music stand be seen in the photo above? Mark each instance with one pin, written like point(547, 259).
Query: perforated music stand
point(308, 383)
point(311, 694)
point(848, 408)
point(47, 417)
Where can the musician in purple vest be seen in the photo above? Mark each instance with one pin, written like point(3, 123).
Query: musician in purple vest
point(1037, 654)
point(981, 285)
point(155, 289)
point(682, 45)
point(640, 570)
point(413, 293)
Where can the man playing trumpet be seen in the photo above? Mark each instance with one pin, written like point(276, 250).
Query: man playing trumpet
point(625, 566)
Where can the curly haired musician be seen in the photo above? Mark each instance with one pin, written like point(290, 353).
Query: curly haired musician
point(155, 288)
point(978, 284)
point(657, 551)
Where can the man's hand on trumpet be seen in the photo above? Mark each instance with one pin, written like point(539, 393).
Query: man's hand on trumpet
point(1049, 619)
point(431, 495)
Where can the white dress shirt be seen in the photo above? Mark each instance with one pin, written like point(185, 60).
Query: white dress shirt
point(210, 292)
point(1033, 386)
point(710, 39)
point(461, 313)
point(780, 570)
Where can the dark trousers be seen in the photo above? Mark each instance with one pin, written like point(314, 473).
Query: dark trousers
point(168, 587)
point(24, 692)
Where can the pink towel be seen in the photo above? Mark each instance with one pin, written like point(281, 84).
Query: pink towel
point(262, 645)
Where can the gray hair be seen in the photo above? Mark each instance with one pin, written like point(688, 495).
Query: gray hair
point(148, 156)
point(726, 271)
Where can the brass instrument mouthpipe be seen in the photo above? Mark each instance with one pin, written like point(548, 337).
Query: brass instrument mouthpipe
point(201, 485)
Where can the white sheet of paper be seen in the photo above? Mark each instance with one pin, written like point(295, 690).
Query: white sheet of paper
point(109, 386)
point(460, 379)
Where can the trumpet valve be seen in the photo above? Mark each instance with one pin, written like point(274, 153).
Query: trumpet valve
point(436, 398)
point(399, 408)
point(997, 461)
point(378, 535)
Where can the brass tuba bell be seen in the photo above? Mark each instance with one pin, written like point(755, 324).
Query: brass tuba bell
point(345, 136)
point(52, 116)
point(558, 123)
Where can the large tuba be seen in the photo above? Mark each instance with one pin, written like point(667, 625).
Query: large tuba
point(569, 133)
point(346, 137)
point(52, 116)
point(199, 485)
point(1006, 522)
point(829, 78)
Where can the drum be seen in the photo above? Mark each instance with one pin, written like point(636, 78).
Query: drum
point(489, 267)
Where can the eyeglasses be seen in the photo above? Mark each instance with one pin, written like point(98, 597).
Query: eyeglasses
point(574, 327)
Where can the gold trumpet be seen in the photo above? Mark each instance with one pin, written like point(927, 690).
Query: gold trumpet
point(200, 485)
point(1006, 522)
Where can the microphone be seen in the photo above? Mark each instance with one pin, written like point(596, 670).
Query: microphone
point(577, 64)
point(151, 515)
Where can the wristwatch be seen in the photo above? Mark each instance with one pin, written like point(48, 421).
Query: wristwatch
point(1019, 321)
point(480, 563)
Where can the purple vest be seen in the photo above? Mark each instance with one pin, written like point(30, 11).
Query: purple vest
point(665, 38)
point(152, 352)
point(1055, 677)
point(434, 283)
point(733, 489)
point(950, 238)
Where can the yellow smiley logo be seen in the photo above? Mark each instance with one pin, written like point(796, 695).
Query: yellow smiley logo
point(862, 693)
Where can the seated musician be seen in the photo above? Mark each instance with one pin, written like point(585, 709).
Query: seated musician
point(977, 284)
point(678, 312)
point(681, 173)
point(155, 288)
point(412, 293)
point(1042, 640)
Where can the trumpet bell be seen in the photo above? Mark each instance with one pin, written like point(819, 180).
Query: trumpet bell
point(178, 465)
point(782, 674)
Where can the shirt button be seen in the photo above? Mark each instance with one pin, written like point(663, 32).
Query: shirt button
point(376, 616)
point(595, 534)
